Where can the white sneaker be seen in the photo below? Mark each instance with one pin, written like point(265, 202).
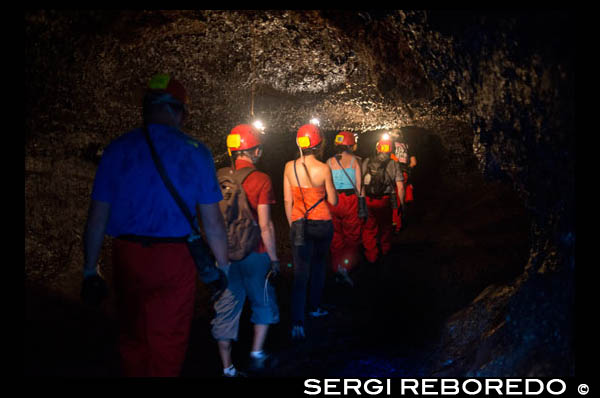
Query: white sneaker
point(318, 312)
point(298, 332)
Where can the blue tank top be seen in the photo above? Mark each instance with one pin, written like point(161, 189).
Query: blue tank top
point(339, 178)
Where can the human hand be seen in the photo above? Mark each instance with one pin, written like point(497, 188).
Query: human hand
point(275, 268)
point(93, 290)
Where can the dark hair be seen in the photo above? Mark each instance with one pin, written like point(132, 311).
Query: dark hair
point(246, 152)
point(312, 151)
point(156, 102)
point(342, 148)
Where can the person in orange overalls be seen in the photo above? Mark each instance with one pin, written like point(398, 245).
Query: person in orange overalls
point(345, 169)
point(407, 161)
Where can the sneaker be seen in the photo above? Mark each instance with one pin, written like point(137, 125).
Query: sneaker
point(265, 361)
point(318, 312)
point(298, 332)
point(233, 372)
point(343, 277)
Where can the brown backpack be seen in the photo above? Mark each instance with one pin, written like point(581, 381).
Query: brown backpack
point(243, 232)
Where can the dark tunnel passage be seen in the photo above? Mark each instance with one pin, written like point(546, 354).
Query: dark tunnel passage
point(480, 282)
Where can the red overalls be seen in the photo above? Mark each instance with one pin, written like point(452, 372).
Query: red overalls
point(377, 225)
point(346, 232)
point(156, 289)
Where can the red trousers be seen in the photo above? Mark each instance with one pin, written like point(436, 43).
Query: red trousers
point(346, 232)
point(378, 227)
point(155, 289)
point(408, 197)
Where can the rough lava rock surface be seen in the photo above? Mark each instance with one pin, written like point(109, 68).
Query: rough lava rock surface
point(497, 90)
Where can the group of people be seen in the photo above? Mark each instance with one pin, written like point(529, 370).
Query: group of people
point(330, 206)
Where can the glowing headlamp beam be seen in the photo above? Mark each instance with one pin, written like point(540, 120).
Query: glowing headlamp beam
point(258, 124)
point(314, 121)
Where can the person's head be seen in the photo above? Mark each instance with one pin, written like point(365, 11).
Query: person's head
point(310, 140)
point(384, 147)
point(165, 101)
point(244, 141)
point(398, 136)
point(344, 141)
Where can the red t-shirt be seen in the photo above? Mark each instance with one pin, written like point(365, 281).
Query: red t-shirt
point(259, 191)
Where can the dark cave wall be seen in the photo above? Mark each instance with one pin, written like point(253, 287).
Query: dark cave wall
point(493, 93)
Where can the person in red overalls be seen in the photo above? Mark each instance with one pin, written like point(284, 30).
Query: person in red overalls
point(345, 170)
point(153, 271)
point(404, 157)
point(381, 175)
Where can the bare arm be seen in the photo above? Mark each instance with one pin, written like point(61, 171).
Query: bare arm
point(329, 187)
point(288, 201)
point(214, 228)
point(400, 186)
point(95, 227)
point(358, 176)
point(267, 230)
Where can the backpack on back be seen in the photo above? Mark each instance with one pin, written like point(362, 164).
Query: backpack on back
point(375, 178)
point(243, 232)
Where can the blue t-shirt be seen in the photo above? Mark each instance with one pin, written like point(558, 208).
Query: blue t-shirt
point(140, 203)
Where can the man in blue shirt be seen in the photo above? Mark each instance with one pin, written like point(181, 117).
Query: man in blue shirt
point(154, 273)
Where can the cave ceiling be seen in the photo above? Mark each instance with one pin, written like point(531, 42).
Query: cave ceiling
point(492, 84)
point(353, 70)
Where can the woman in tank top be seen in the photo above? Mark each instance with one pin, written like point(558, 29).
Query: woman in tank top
point(307, 190)
point(345, 169)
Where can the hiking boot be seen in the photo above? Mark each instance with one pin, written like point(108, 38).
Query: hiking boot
point(318, 313)
point(265, 361)
point(298, 332)
point(343, 277)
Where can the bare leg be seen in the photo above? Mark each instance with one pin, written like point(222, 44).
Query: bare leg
point(260, 334)
point(225, 352)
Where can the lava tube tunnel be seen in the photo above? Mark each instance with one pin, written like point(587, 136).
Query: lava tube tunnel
point(480, 277)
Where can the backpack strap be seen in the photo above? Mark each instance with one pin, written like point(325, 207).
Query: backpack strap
point(240, 175)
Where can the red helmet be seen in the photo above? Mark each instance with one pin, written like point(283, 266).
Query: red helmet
point(384, 146)
point(242, 137)
point(345, 138)
point(308, 136)
point(164, 83)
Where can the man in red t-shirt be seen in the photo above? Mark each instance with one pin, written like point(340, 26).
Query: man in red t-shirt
point(248, 276)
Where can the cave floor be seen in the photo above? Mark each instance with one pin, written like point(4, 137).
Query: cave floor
point(385, 326)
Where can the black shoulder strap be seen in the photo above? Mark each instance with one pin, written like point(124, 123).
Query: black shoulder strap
point(299, 187)
point(349, 179)
point(169, 184)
